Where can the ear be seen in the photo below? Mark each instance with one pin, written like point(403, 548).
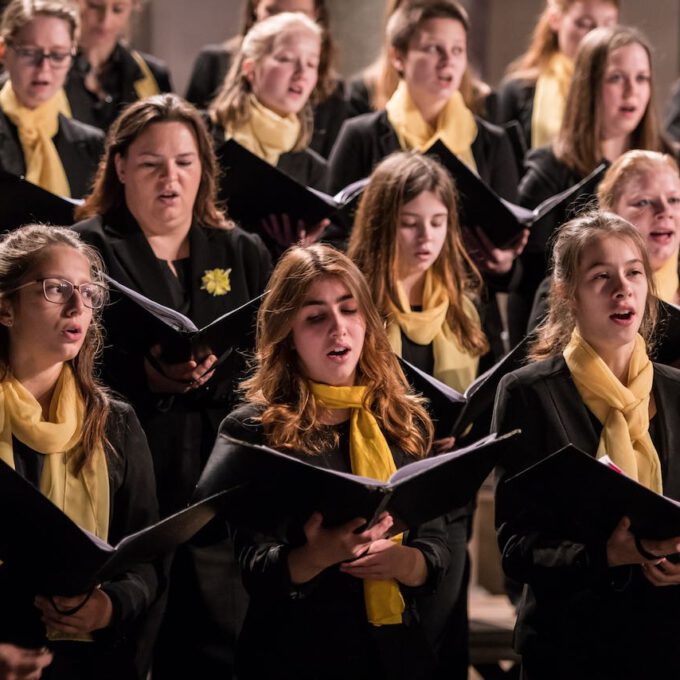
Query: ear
point(119, 164)
point(248, 70)
point(397, 60)
point(6, 313)
point(3, 50)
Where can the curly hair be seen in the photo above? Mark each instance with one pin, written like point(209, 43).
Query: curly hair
point(291, 413)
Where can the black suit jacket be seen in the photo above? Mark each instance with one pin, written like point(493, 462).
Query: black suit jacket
point(577, 613)
point(119, 82)
point(79, 146)
point(181, 428)
point(515, 101)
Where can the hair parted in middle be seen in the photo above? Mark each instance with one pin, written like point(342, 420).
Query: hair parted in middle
point(231, 106)
point(108, 192)
point(291, 414)
point(397, 180)
point(578, 143)
point(570, 242)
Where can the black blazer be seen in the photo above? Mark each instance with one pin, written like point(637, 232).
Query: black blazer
point(211, 67)
point(577, 613)
point(672, 121)
point(79, 146)
point(515, 101)
point(365, 140)
point(118, 81)
point(181, 428)
point(319, 629)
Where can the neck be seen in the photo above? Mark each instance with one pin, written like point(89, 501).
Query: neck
point(429, 108)
point(173, 246)
point(38, 379)
point(334, 416)
point(413, 286)
point(98, 54)
point(615, 147)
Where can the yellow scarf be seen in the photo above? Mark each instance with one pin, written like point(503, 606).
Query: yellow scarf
point(667, 280)
point(452, 365)
point(552, 88)
point(36, 128)
point(456, 125)
point(146, 86)
point(623, 411)
point(370, 457)
point(265, 133)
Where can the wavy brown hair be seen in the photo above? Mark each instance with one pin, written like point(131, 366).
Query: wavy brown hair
point(328, 75)
point(108, 192)
point(543, 43)
point(571, 241)
point(21, 252)
point(628, 167)
point(231, 106)
point(578, 144)
point(291, 413)
point(397, 180)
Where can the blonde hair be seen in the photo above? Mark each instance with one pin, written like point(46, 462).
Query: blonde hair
point(290, 412)
point(571, 241)
point(397, 180)
point(19, 13)
point(628, 167)
point(231, 106)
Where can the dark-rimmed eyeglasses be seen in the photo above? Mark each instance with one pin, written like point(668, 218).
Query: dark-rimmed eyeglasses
point(60, 291)
point(34, 56)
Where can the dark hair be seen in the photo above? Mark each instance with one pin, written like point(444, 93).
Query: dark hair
point(20, 252)
point(108, 192)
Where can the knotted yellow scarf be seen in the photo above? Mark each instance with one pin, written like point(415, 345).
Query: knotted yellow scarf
point(83, 497)
point(36, 128)
point(456, 125)
point(452, 365)
point(667, 280)
point(265, 133)
point(146, 86)
point(370, 457)
point(552, 88)
point(623, 411)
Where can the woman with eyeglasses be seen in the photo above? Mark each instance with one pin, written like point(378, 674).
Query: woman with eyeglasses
point(85, 451)
point(38, 140)
point(107, 74)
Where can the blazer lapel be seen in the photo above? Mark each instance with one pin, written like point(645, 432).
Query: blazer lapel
point(388, 142)
point(11, 155)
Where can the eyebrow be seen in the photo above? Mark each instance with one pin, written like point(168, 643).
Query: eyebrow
point(342, 298)
point(160, 155)
point(636, 260)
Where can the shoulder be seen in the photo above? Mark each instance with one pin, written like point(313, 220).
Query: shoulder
point(367, 123)
point(667, 375)
point(234, 238)
point(75, 131)
point(90, 229)
point(156, 65)
point(520, 89)
point(121, 420)
point(489, 130)
point(243, 423)
point(536, 372)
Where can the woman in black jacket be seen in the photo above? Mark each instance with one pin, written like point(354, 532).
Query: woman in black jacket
point(593, 609)
point(153, 217)
point(84, 450)
point(331, 602)
point(107, 74)
point(37, 138)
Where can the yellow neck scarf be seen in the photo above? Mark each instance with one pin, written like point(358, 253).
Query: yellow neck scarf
point(550, 97)
point(452, 365)
point(36, 128)
point(623, 411)
point(456, 125)
point(370, 457)
point(265, 133)
point(146, 86)
point(667, 280)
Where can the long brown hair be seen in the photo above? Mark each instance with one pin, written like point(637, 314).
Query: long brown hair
point(328, 75)
point(543, 42)
point(397, 180)
point(291, 414)
point(570, 243)
point(20, 253)
point(108, 192)
point(579, 144)
point(231, 106)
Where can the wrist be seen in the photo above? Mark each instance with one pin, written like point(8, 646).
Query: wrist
point(412, 567)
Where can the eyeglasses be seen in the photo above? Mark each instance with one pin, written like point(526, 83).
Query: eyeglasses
point(34, 56)
point(60, 291)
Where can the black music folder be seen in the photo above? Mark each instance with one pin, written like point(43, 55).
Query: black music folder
point(464, 416)
point(178, 336)
point(254, 189)
point(22, 202)
point(573, 495)
point(60, 558)
point(503, 221)
point(271, 488)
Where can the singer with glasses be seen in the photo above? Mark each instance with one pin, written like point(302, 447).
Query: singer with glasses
point(60, 291)
point(38, 140)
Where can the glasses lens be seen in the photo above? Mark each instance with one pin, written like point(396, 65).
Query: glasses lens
point(35, 56)
point(92, 294)
point(57, 290)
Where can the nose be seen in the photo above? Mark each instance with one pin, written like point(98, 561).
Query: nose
point(662, 207)
point(169, 169)
point(338, 325)
point(622, 287)
point(74, 304)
